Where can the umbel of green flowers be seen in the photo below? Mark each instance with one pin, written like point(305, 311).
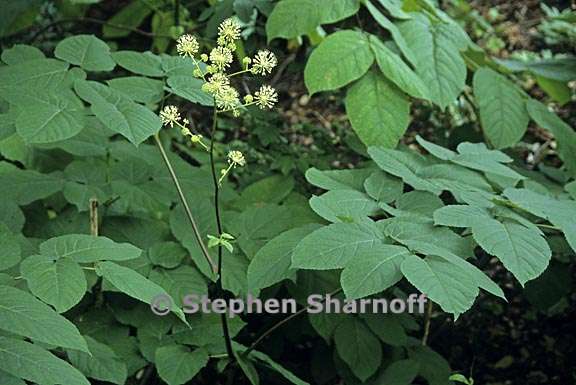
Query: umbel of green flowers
point(215, 74)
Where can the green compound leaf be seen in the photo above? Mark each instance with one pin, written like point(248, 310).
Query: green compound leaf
point(134, 285)
point(32, 363)
point(26, 186)
point(10, 249)
point(22, 314)
point(139, 88)
point(102, 364)
point(340, 59)
point(438, 60)
point(343, 206)
point(12, 217)
point(436, 150)
point(118, 113)
point(378, 111)
point(9, 379)
point(390, 328)
point(383, 187)
point(398, 38)
point(248, 369)
point(206, 329)
point(272, 189)
point(523, 251)
point(337, 179)
point(190, 88)
point(481, 279)
point(401, 372)
point(358, 347)
point(418, 203)
point(403, 165)
point(292, 18)
point(167, 254)
point(332, 11)
point(443, 282)
point(405, 229)
point(88, 248)
point(478, 157)
point(50, 117)
point(502, 109)
point(271, 264)
point(334, 246)
point(459, 215)
point(178, 65)
point(397, 71)
point(58, 282)
point(394, 8)
point(86, 179)
point(433, 367)
point(177, 365)
point(39, 74)
point(564, 134)
point(19, 53)
point(179, 282)
point(235, 280)
point(560, 213)
point(86, 51)
point(141, 63)
point(373, 271)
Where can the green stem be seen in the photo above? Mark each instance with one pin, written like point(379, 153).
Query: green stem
point(185, 204)
point(427, 321)
point(224, 174)
point(238, 73)
point(224, 317)
point(544, 226)
point(242, 105)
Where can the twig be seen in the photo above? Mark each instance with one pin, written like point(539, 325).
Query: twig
point(427, 322)
point(224, 317)
point(282, 68)
point(279, 324)
point(184, 202)
point(95, 21)
point(94, 216)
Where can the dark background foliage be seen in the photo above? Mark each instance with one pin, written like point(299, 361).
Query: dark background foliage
point(529, 340)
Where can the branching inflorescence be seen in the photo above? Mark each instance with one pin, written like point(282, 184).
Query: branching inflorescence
point(213, 68)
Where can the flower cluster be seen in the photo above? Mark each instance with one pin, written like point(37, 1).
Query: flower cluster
point(187, 45)
point(235, 158)
point(264, 62)
point(212, 68)
point(228, 32)
point(266, 97)
point(170, 116)
point(219, 60)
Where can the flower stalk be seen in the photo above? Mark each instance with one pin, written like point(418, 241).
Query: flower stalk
point(212, 68)
point(224, 317)
point(184, 202)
